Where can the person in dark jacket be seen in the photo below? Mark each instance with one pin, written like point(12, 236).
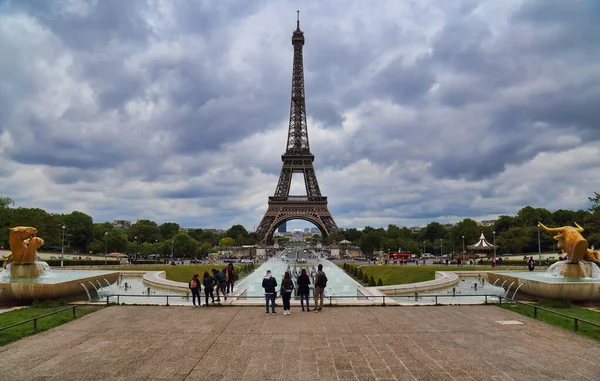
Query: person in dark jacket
point(194, 286)
point(287, 286)
point(221, 283)
point(231, 274)
point(269, 283)
point(209, 284)
point(303, 289)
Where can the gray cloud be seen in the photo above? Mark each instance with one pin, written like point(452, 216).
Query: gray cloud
point(418, 112)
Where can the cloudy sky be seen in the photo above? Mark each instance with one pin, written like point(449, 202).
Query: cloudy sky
point(417, 110)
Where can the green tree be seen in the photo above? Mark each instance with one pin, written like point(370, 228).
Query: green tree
point(467, 228)
point(184, 245)
point(5, 219)
point(226, 242)
point(370, 242)
point(46, 224)
point(195, 234)
point(144, 230)
point(168, 230)
point(80, 229)
point(237, 230)
point(204, 250)
point(352, 234)
point(503, 223)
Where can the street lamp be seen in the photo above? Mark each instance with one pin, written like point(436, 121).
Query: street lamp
point(539, 246)
point(136, 250)
point(494, 233)
point(62, 250)
point(463, 240)
point(442, 247)
point(423, 247)
point(156, 248)
point(105, 246)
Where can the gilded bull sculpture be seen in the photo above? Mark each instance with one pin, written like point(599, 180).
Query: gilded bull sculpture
point(572, 243)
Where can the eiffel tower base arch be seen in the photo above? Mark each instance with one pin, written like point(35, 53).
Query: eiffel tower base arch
point(316, 213)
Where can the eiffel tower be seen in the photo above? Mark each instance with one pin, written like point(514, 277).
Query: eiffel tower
point(297, 159)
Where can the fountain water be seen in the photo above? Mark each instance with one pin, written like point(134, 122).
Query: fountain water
point(86, 291)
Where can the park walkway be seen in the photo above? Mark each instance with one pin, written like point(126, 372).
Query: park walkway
point(343, 343)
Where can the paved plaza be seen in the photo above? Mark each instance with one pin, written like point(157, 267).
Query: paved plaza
point(340, 343)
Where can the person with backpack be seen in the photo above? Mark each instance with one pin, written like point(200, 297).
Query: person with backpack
point(320, 284)
point(303, 289)
point(194, 286)
point(209, 284)
point(221, 283)
point(269, 283)
point(287, 286)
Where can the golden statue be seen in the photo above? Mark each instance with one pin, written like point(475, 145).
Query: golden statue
point(572, 243)
point(23, 245)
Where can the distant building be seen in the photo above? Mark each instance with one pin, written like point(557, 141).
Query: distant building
point(185, 230)
point(306, 230)
point(488, 222)
point(415, 229)
point(121, 224)
point(314, 230)
point(282, 228)
point(297, 236)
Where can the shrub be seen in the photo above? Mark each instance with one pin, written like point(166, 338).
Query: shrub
point(379, 282)
point(372, 281)
point(366, 279)
point(360, 274)
point(354, 271)
point(345, 266)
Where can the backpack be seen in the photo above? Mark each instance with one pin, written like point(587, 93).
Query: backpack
point(193, 284)
point(322, 282)
point(221, 276)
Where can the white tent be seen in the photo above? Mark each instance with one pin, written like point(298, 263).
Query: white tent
point(482, 244)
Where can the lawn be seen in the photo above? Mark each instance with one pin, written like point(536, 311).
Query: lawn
point(15, 316)
point(181, 273)
point(398, 274)
point(566, 323)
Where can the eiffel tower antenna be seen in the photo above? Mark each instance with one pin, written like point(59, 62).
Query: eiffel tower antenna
point(297, 159)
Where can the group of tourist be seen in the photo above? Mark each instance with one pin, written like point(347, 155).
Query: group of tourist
point(269, 283)
point(223, 281)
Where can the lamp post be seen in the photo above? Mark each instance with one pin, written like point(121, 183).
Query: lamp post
point(463, 241)
point(62, 249)
point(494, 233)
point(442, 247)
point(105, 247)
point(156, 248)
point(423, 247)
point(136, 250)
point(171, 249)
point(539, 246)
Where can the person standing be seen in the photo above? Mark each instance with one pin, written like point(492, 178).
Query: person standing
point(221, 283)
point(209, 283)
point(269, 283)
point(287, 286)
point(230, 273)
point(194, 286)
point(303, 289)
point(320, 284)
point(531, 264)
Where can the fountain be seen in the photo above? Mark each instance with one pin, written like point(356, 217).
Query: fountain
point(576, 279)
point(24, 279)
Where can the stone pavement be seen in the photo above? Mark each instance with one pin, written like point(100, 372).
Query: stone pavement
point(340, 343)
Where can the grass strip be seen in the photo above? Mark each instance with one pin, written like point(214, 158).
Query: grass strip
point(45, 323)
point(584, 329)
point(183, 273)
point(405, 274)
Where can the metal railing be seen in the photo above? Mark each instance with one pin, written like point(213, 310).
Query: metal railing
point(330, 298)
point(35, 319)
point(576, 320)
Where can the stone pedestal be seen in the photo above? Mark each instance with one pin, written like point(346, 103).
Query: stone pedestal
point(29, 270)
point(261, 253)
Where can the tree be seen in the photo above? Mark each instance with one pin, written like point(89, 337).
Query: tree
point(144, 230)
point(194, 233)
point(226, 242)
point(467, 228)
point(80, 229)
point(237, 230)
point(168, 230)
point(184, 245)
point(5, 219)
point(434, 231)
point(205, 250)
point(352, 234)
point(370, 242)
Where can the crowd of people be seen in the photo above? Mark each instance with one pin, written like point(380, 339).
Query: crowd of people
point(287, 288)
point(220, 281)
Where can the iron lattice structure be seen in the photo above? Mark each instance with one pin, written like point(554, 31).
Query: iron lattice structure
point(297, 159)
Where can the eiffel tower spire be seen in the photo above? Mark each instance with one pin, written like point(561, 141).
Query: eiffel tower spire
point(297, 159)
point(298, 135)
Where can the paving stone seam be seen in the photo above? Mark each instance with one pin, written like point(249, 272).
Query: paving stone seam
point(211, 344)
